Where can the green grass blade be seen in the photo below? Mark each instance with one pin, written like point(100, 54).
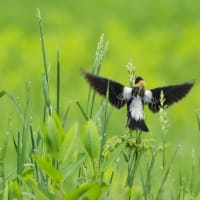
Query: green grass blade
point(33, 140)
point(5, 192)
point(198, 119)
point(2, 93)
point(82, 111)
point(19, 166)
point(3, 150)
point(66, 115)
point(91, 140)
point(15, 143)
point(28, 90)
point(42, 43)
point(47, 167)
point(77, 193)
point(191, 186)
point(24, 139)
point(101, 51)
point(71, 168)
point(46, 93)
point(105, 116)
point(15, 104)
point(46, 90)
point(113, 157)
point(166, 175)
point(68, 148)
point(58, 83)
point(147, 188)
point(38, 191)
point(180, 186)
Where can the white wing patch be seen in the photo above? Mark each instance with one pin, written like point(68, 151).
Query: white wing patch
point(147, 96)
point(136, 108)
point(127, 93)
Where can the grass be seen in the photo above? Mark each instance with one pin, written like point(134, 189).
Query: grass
point(84, 161)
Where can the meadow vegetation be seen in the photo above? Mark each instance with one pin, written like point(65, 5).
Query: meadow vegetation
point(62, 141)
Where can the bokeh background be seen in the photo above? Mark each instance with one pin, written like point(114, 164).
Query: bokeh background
point(160, 38)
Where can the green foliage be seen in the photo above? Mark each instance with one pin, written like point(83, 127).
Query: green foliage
point(82, 160)
point(114, 155)
point(2, 93)
point(91, 140)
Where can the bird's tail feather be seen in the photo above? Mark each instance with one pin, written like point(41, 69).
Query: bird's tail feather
point(137, 125)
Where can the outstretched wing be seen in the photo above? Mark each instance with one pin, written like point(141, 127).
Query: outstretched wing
point(118, 94)
point(171, 94)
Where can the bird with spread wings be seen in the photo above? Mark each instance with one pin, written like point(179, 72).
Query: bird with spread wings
point(136, 97)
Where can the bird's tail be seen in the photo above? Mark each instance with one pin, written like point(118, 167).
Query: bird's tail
point(137, 125)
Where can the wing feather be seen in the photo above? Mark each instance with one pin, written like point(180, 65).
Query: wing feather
point(118, 93)
point(172, 94)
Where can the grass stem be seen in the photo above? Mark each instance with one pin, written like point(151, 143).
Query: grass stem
point(58, 83)
point(42, 43)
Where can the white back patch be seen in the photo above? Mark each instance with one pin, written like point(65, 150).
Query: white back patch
point(136, 108)
point(127, 93)
point(147, 96)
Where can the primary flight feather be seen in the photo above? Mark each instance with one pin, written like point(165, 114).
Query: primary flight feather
point(136, 97)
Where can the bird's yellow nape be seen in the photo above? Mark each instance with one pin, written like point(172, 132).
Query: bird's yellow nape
point(140, 84)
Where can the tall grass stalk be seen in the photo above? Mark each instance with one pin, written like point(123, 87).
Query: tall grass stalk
point(164, 126)
point(3, 150)
point(58, 84)
point(133, 160)
point(133, 157)
point(192, 173)
point(166, 174)
point(101, 50)
point(22, 145)
point(198, 119)
point(84, 114)
point(66, 114)
point(131, 73)
point(105, 116)
point(180, 186)
point(147, 185)
point(43, 44)
point(46, 85)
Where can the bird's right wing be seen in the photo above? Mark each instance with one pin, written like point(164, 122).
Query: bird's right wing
point(171, 94)
point(118, 94)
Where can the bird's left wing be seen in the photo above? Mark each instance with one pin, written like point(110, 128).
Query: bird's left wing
point(171, 94)
point(118, 94)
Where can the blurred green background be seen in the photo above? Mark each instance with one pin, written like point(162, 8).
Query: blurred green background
point(160, 38)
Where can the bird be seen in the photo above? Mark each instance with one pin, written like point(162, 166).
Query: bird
point(137, 96)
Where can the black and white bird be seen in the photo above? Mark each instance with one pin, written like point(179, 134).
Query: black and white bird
point(136, 97)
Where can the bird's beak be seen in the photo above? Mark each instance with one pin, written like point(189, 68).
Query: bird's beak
point(140, 84)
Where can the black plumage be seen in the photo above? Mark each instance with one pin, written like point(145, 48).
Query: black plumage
point(172, 94)
point(136, 97)
point(101, 85)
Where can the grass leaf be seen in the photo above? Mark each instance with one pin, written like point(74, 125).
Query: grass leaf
point(47, 167)
point(16, 105)
point(198, 119)
point(71, 168)
point(46, 90)
point(91, 140)
point(166, 175)
point(39, 192)
point(82, 110)
point(68, 148)
point(2, 93)
point(77, 193)
point(113, 157)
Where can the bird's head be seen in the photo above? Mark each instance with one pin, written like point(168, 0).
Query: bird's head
point(139, 82)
